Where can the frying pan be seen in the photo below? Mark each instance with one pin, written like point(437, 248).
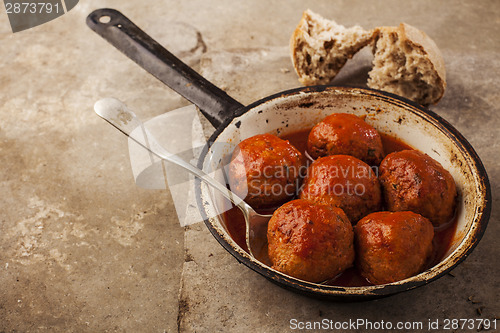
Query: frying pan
point(298, 109)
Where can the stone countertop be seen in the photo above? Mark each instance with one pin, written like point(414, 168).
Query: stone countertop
point(82, 248)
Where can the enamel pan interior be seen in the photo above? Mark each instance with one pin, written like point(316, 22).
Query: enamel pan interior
point(300, 109)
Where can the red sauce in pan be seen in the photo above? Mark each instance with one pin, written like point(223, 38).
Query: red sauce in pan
point(350, 278)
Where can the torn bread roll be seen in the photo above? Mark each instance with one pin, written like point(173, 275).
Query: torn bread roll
point(406, 61)
point(321, 47)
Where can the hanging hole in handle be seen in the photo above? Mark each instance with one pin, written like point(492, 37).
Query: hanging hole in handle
point(105, 19)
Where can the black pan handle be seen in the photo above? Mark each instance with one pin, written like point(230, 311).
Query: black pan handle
point(118, 30)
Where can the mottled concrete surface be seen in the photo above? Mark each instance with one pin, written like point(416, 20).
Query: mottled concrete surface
point(82, 249)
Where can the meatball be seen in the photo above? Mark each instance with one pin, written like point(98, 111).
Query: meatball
point(310, 241)
point(265, 170)
point(412, 180)
point(346, 134)
point(392, 246)
point(343, 181)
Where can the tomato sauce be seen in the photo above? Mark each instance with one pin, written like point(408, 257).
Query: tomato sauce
point(235, 221)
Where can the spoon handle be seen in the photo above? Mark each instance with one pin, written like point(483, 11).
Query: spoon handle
point(120, 116)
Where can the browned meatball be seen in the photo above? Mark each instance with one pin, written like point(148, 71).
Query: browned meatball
point(265, 170)
point(412, 180)
point(346, 134)
point(345, 182)
point(392, 246)
point(310, 241)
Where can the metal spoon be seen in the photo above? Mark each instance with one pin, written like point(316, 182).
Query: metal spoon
point(120, 116)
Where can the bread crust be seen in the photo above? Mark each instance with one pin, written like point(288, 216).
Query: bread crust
point(420, 39)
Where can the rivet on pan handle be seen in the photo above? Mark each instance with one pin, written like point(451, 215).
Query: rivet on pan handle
point(123, 34)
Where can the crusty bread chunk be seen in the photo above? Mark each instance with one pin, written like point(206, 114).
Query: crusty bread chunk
point(408, 63)
point(320, 47)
